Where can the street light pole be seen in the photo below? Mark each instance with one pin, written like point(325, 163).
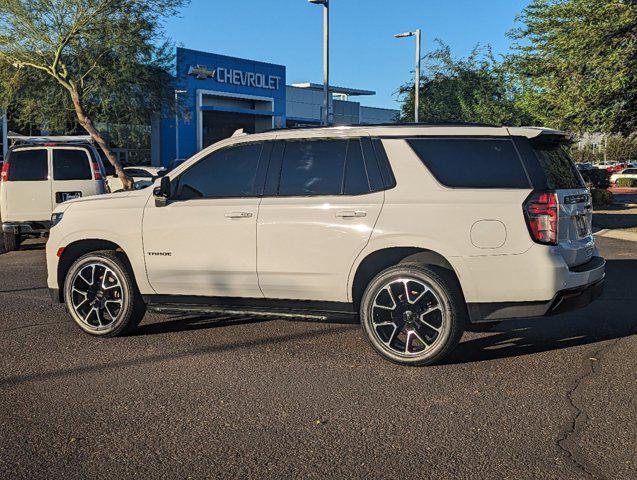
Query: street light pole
point(177, 92)
point(326, 59)
point(417, 80)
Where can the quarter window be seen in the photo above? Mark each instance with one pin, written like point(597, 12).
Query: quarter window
point(472, 163)
point(230, 172)
point(71, 165)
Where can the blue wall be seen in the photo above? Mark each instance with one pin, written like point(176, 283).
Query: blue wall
point(229, 75)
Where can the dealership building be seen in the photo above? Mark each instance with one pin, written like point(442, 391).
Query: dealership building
point(217, 95)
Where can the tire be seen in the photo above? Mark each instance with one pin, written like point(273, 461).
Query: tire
point(11, 242)
point(110, 304)
point(425, 324)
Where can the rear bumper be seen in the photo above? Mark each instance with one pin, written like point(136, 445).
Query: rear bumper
point(26, 227)
point(589, 285)
point(575, 298)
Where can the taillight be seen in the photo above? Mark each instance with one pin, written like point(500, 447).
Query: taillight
point(541, 213)
point(96, 171)
point(4, 173)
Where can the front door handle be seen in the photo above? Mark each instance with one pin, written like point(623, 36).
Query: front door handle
point(351, 214)
point(238, 215)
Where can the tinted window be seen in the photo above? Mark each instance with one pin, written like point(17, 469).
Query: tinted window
point(313, 167)
point(28, 166)
point(371, 163)
point(630, 171)
point(71, 165)
point(472, 163)
point(356, 181)
point(559, 169)
point(227, 173)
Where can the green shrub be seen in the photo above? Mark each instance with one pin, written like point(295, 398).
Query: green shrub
point(596, 178)
point(601, 198)
point(627, 182)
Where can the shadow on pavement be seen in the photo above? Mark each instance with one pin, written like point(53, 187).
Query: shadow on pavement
point(199, 322)
point(197, 352)
point(613, 315)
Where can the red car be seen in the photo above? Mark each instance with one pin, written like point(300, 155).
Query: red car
point(617, 168)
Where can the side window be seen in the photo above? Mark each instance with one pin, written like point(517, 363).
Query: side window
point(356, 181)
point(71, 165)
point(28, 166)
point(472, 162)
point(313, 167)
point(231, 172)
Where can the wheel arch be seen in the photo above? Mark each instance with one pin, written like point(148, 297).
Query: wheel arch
point(76, 249)
point(378, 260)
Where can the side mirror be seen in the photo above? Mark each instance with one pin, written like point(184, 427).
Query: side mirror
point(162, 192)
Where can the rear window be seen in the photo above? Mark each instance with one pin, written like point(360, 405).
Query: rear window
point(472, 162)
point(28, 166)
point(558, 167)
point(71, 165)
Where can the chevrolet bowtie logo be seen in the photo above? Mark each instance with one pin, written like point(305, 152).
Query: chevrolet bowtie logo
point(201, 73)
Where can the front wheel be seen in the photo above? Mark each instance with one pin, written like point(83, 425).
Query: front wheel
point(101, 295)
point(413, 314)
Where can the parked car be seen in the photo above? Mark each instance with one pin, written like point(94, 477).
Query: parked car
point(584, 166)
point(421, 230)
point(617, 167)
point(142, 176)
point(626, 173)
point(39, 174)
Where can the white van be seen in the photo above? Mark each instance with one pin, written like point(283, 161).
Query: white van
point(37, 176)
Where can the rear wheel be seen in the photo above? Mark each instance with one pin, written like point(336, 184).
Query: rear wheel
point(11, 241)
point(101, 295)
point(413, 314)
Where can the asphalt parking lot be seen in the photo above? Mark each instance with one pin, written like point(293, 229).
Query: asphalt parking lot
point(205, 397)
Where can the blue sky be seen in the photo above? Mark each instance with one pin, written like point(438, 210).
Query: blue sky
point(364, 53)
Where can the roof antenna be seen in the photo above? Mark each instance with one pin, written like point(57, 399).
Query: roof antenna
point(238, 132)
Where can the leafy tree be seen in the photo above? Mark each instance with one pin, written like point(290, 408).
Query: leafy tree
point(621, 149)
point(69, 62)
point(579, 58)
point(473, 89)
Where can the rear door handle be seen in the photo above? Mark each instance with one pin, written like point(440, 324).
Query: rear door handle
point(238, 215)
point(351, 214)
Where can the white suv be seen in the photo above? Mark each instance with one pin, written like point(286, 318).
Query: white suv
point(39, 174)
point(421, 230)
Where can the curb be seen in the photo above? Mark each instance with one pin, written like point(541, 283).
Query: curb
point(617, 234)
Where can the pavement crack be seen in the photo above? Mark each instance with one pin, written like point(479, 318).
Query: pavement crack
point(568, 440)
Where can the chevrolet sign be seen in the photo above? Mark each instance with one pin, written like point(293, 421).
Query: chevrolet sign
point(236, 77)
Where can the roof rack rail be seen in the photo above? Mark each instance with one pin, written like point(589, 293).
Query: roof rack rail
point(406, 124)
point(34, 140)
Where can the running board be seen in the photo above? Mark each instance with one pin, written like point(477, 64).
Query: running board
point(281, 308)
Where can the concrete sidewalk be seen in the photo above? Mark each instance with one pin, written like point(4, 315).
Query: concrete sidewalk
point(619, 220)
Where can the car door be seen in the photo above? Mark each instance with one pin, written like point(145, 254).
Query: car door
point(26, 187)
point(74, 175)
point(203, 241)
point(321, 202)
